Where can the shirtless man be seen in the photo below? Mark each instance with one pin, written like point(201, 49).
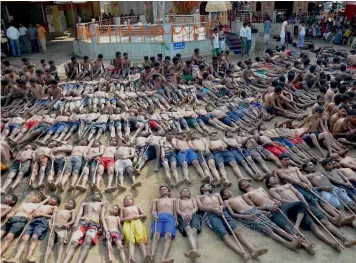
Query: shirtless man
point(36, 90)
point(125, 65)
point(215, 216)
point(59, 125)
point(86, 68)
point(62, 220)
point(19, 218)
point(31, 73)
point(223, 156)
point(20, 167)
point(187, 156)
point(206, 159)
point(37, 229)
point(106, 162)
point(189, 223)
point(123, 163)
point(287, 194)
point(332, 194)
point(74, 164)
point(7, 204)
point(337, 178)
point(113, 233)
point(72, 68)
point(98, 66)
point(12, 127)
point(87, 226)
point(164, 223)
point(257, 220)
point(40, 161)
point(147, 148)
point(133, 228)
point(54, 94)
point(344, 129)
point(98, 127)
point(241, 155)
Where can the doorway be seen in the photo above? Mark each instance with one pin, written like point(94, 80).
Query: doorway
point(286, 6)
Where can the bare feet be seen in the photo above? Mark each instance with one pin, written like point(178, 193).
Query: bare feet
point(135, 185)
point(179, 183)
point(109, 189)
point(31, 259)
point(347, 220)
point(227, 183)
point(167, 260)
point(205, 179)
point(81, 188)
point(246, 257)
point(187, 181)
point(51, 185)
point(60, 187)
point(259, 252)
point(120, 187)
point(71, 188)
point(350, 243)
point(337, 247)
point(169, 182)
point(192, 254)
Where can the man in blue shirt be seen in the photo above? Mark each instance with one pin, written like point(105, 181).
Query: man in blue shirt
point(267, 29)
point(32, 31)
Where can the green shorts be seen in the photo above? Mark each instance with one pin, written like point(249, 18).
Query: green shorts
point(191, 122)
point(216, 51)
point(195, 222)
point(243, 43)
point(187, 77)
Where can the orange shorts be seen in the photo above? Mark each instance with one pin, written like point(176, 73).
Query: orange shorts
point(107, 162)
point(296, 139)
point(153, 124)
point(277, 149)
point(30, 124)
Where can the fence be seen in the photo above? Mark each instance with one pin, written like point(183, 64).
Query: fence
point(141, 33)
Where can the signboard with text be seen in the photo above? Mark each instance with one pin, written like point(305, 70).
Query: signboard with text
point(179, 45)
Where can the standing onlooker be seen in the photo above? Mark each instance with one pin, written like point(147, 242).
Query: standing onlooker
point(23, 38)
point(41, 31)
point(301, 35)
point(222, 38)
point(248, 38)
point(4, 43)
point(243, 36)
point(13, 35)
point(267, 25)
point(283, 33)
point(32, 31)
point(215, 42)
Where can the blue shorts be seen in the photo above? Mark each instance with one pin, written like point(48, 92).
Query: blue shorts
point(216, 223)
point(59, 126)
point(284, 141)
point(204, 158)
point(226, 121)
point(41, 102)
point(224, 157)
point(131, 123)
point(13, 126)
point(113, 101)
point(233, 115)
point(351, 192)
point(171, 157)
point(74, 124)
point(161, 91)
point(206, 90)
point(271, 110)
point(188, 156)
point(85, 101)
point(257, 104)
point(238, 154)
point(203, 119)
point(98, 126)
point(166, 224)
point(38, 227)
point(183, 123)
point(151, 153)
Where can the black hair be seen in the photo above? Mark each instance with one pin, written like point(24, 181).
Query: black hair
point(312, 68)
point(278, 89)
point(201, 66)
point(322, 90)
point(275, 83)
point(6, 63)
point(352, 112)
point(257, 59)
point(325, 161)
point(147, 67)
point(351, 94)
point(282, 78)
point(306, 61)
point(337, 99)
point(14, 198)
point(152, 58)
point(125, 53)
point(175, 59)
point(290, 77)
point(319, 109)
point(343, 67)
point(345, 97)
point(86, 57)
point(318, 62)
point(58, 199)
point(100, 56)
point(205, 75)
point(42, 60)
point(167, 58)
point(4, 82)
point(74, 202)
point(33, 80)
point(159, 55)
point(333, 84)
point(169, 190)
point(178, 55)
point(185, 189)
point(342, 89)
point(215, 29)
point(343, 107)
point(73, 58)
point(284, 156)
point(118, 53)
point(239, 184)
point(222, 190)
point(267, 182)
point(156, 64)
point(196, 50)
point(201, 188)
point(296, 63)
point(188, 62)
point(336, 60)
point(54, 82)
point(244, 24)
point(51, 62)
point(145, 57)
point(288, 65)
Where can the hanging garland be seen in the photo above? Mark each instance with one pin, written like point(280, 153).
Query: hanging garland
point(185, 7)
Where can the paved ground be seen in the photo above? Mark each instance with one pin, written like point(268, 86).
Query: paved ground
point(212, 249)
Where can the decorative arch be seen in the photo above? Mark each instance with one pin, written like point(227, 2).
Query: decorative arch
point(258, 6)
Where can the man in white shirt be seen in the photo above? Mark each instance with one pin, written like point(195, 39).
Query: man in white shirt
point(243, 38)
point(248, 39)
point(215, 42)
point(13, 35)
point(301, 34)
point(23, 39)
point(283, 34)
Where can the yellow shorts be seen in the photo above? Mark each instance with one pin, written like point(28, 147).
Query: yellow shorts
point(3, 168)
point(138, 232)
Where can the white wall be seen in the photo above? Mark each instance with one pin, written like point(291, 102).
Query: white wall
point(138, 7)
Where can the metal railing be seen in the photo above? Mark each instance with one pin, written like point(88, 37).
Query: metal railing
point(181, 19)
point(141, 33)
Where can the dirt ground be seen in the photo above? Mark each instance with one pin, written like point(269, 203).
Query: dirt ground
point(212, 249)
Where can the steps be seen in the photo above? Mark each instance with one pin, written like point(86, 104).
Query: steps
point(233, 41)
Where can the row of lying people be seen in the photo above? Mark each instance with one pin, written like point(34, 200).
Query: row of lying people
point(314, 201)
